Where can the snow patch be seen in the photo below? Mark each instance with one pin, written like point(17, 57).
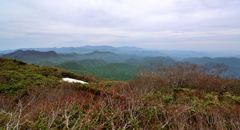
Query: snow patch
point(70, 80)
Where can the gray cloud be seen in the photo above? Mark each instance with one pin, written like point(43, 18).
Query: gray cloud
point(172, 24)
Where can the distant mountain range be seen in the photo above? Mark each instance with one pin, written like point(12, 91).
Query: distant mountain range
point(101, 64)
point(32, 56)
point(111, 65)
point(140, 52)
point(83, 49)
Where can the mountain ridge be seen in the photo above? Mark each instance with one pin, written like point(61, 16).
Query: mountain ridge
point(132, 50)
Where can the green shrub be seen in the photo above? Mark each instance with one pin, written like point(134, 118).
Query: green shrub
point(167, 98)
point(87, 87)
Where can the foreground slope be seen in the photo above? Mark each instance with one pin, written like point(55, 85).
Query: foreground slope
point(17, 76)
point(181, 97)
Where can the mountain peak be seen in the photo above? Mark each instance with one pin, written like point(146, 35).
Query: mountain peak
point(30, 56)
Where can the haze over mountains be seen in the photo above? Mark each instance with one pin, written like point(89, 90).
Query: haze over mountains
point(178, 55)
point(115, 62)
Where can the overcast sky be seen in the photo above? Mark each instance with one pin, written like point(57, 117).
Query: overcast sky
point(155, 24)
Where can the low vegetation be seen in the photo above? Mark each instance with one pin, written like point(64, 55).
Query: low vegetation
point(182, 96)
point(17, 76)
point(186, 75)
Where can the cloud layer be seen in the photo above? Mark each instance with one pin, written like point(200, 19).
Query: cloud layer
point(171, 24)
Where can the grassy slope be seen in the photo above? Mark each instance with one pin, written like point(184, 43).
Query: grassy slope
point(45, 63)
point(16, 76)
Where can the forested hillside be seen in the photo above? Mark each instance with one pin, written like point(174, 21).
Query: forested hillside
point(18, 77)
point(122, 71)
point(119, 71)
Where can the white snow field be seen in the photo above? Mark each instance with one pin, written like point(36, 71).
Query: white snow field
point(70, 80)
